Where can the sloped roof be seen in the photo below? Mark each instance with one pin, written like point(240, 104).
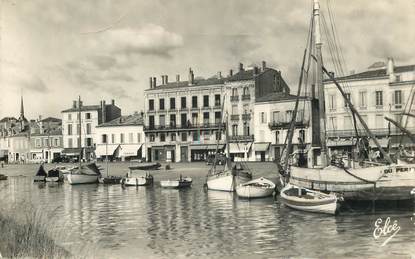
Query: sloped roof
point(130, 120)
point(51, 119)
point(376, 73)
point(278, 96)
point(6, 119)
point(84, 108)
point(197, 82)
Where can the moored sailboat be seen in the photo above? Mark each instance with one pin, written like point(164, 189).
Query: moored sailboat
point(40, 174)
point(182, 182)
point(137, 178)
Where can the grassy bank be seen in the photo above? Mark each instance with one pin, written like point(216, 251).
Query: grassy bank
point(24, 232)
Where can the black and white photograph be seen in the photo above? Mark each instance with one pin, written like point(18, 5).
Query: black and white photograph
point(207, 129)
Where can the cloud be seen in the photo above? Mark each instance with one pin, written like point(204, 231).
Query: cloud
point(17, 78)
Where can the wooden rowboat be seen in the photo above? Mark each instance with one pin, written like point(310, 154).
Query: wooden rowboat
point(257, 188)
point(308, 200)
point(182, 182)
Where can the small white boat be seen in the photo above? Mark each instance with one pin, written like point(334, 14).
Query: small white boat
point(257, 188)
point(308, 200)
point(134, 178)
point(87, 174)
point(182, 182)
point(228, 179)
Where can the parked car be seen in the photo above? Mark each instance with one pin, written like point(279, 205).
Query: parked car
point(220, 159)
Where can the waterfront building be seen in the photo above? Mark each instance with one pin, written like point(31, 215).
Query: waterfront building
point(91, 116)
point(183, 118)
point(273, 115)
point(242, 90)
point(121, 138)
point(382, 90)
point(46, 146)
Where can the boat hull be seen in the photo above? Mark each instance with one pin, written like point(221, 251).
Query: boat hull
point(226, 181)
point(39, 178)
point(258, 188)
point(137, 181)
point(82, 178)
point(325, 203)
point(3, 177)
point(54, 179)
point(393, 182)
point(146, 166)
point(176, 184)
point(110, 180)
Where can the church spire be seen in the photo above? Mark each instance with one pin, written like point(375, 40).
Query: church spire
point(21, 108)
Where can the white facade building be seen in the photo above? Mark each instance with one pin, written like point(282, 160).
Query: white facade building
point(121, 138)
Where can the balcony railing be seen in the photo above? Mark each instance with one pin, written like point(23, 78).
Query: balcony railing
point(242, 138)
point(285, 125)
point(246, 97)
point(362, 132)
point(246, 117)
point(189, 126)
point(234, 98)
point(235, 117)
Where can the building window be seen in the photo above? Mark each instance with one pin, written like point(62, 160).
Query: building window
point(194, 101)
point(69, 116)
point(289, 115)
point(217, 100)
point(349, 97)
point(246, 90)
point(104, 138)
point(206, 101)
point(56, 142)
point(172, 120)
point(151, 121)
point(398, 78)
point(173, 137)
point(130, 138)
point(246, 108)
point(152, 138)
point(88, 142)
point(122, 138)
point(162, 120)
point(263, 118)
point(196, 136)
point(162, 137)
point(362, 99)
point(275, 116)
point(379, 98)
point(234, 91)
point(398, 97)
point(332, 102)
point(183, 102)
point(246, 129)
point(218, 135)
point(277, 137)
point(206, 118)
point(301, 135)
point(88, 115)
point(151, 105)
point(235, 130)
point(183, 120)
point(88, 128)
point(37, 143)
point(218, 117)
point(69, 129)
point(70, 143)
point(195, 119)
point(172, 103)
point(78, 129)
point(184, 136)
point(138, 138)
point(112, 138)
point(161, 104)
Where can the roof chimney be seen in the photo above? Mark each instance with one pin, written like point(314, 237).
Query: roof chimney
point(113, 102)
point(230, 72)
point(151, 82)
point(219, 75)
point(74, 104)
point(162, 80)
point(154, 82)
point(177, 78)
point(191, 77)
point(166, 79)
point(241, 67)
point(264, 65)
point(390, 69)
point(103, 112)
point(256, 70)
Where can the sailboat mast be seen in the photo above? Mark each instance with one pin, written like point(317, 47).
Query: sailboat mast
point(228, 158)
point(319, 83)
point(79, 129)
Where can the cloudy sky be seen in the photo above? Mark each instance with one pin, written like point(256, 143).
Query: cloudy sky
point(53, 51)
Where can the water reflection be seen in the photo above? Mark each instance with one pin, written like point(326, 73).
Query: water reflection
point(155, 222)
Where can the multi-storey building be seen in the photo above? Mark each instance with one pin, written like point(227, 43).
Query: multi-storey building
point(273, 115)
point(242, 90)
point(121, 138)
point(183, 118)
point(46, 146)
point(91, 116)
point(384, 90)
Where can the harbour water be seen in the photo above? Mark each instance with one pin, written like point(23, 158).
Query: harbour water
point(150, 222)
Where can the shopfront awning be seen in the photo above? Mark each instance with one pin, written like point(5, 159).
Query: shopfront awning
point(340, 142)
point(207, 147)
point(129, 150)
point(71, 151)
point(261, 147)
point(384, 143)
point(239, 147)
point(103, 150)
